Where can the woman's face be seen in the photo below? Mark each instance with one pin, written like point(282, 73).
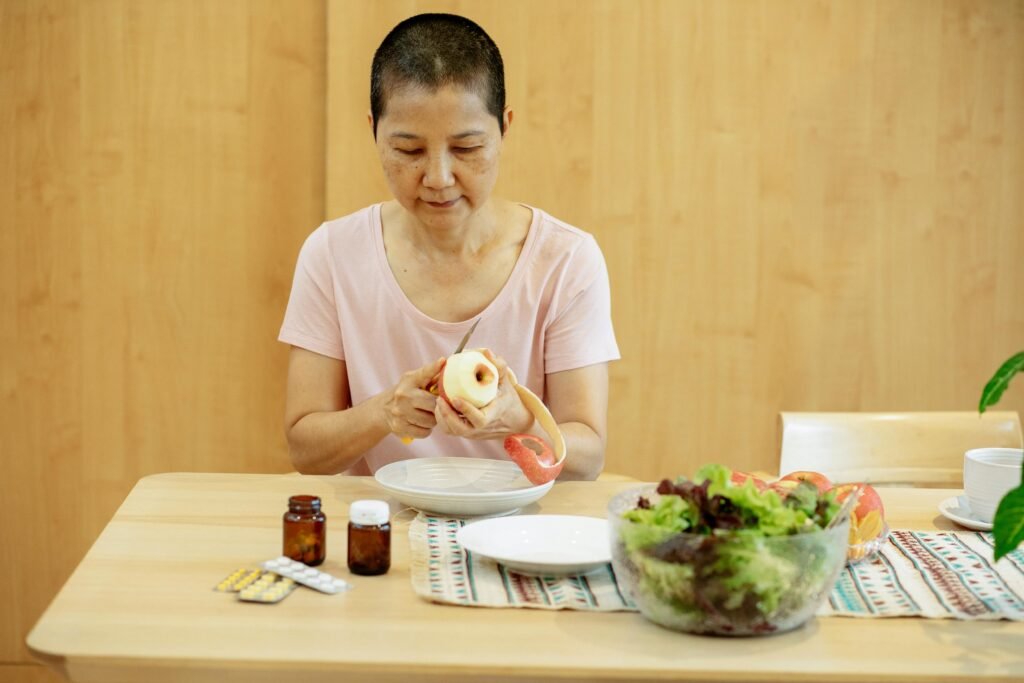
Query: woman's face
point(440, 151)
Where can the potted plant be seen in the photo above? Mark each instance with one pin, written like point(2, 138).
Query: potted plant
point(1008, 524)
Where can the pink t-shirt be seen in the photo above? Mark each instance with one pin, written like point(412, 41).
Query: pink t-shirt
point(553, 314)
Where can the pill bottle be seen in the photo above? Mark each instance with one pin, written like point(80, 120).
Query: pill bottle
point(305, 531)
point(369, 538)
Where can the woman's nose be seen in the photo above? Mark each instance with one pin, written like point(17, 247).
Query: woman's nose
point(438, 173)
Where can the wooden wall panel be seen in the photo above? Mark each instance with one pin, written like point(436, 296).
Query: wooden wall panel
point(803, 205)
point(28, 673)
point(159, 163)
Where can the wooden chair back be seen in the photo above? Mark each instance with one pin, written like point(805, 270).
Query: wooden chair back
point(915, 448)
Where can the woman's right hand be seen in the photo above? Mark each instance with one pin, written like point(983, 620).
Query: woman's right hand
point(409, 411)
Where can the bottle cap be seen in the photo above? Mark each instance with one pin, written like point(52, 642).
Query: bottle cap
point(369, 512)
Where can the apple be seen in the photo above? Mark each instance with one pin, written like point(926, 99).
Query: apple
point(867, 521)
point(816, 478)
point(783, 487)
point(740, 478)
point(470, 376)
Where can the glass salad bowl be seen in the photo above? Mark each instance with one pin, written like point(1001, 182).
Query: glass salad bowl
point(730, 583)
point(865, 550)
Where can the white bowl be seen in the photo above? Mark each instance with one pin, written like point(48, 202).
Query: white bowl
point(464, 487)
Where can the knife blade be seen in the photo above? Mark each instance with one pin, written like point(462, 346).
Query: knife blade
point(462, 344)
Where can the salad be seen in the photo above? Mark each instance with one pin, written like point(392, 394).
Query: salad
point(709, 555)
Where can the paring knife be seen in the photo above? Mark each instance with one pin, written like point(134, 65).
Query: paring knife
point(462, 344)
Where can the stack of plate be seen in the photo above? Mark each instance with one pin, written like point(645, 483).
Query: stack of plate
point(460, 486)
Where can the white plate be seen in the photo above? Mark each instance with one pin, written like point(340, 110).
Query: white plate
point(464, 487)
point(552, 545)
point(957, 509)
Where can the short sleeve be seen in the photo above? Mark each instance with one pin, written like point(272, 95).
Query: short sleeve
point(580, 331)
point(311, 319)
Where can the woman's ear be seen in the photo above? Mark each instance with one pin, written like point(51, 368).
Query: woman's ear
point(369, 120)
point(506, 120)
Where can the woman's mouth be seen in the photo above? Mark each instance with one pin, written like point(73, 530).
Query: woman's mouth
point(443, 205)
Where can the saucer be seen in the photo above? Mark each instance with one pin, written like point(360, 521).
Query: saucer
point(547, 545)
point(957, 509)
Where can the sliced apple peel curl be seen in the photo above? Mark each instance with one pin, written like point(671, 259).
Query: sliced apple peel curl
point(539, 468)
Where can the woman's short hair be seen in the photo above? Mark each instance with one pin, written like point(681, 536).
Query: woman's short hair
point(435, 50)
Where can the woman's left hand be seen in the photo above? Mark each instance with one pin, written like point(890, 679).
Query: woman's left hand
point(505, 415)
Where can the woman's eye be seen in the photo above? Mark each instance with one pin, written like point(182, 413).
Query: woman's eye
point(408, 152)
point(466, 150)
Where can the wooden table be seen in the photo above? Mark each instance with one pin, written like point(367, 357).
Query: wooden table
point(140, 607)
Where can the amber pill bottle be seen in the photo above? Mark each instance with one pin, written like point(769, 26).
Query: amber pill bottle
point(369, 538)
point(305, 531)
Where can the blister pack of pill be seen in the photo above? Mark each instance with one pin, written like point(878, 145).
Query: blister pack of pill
point(307, 576)
point(238, 580)
point(268, 588)
point(256, 585)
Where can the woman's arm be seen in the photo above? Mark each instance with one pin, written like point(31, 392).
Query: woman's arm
point(578, 400)
point(326, 434)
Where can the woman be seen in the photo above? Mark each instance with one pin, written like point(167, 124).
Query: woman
point(381, 296)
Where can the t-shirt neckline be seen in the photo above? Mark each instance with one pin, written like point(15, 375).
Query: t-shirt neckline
point(391, 283)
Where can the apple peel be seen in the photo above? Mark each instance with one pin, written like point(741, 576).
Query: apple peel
point(545, 466)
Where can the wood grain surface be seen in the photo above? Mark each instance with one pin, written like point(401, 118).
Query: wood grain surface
point(28, 673)
point(158, 162)
point(141, 607)
point(804, 206)
point(909, 449)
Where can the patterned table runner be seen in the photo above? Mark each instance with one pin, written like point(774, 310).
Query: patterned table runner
point(943, 575)
point(442, 571)
point(938, 574)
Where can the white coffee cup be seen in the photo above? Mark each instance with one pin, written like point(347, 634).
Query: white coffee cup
point(988, 474)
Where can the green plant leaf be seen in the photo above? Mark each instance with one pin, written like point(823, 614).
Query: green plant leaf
point(995, 387)
point(1008, 524)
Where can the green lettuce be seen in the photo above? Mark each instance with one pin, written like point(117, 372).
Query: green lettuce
point(718, 553)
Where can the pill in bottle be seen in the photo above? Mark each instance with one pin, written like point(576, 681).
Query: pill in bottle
point(305, 531)
point(369, 538)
